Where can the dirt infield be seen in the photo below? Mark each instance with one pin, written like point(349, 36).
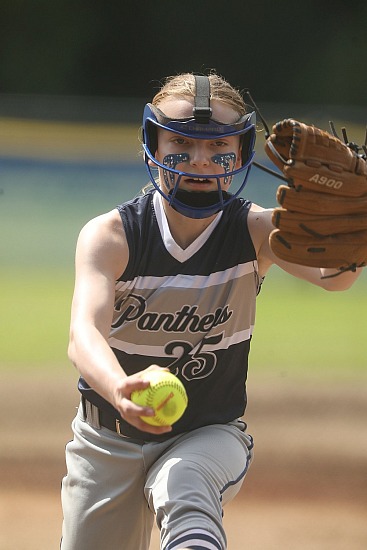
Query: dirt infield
point(307, 487)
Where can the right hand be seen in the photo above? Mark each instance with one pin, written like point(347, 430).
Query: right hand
point(128, 410)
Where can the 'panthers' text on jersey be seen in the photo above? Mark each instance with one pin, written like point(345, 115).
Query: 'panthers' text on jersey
point(192, 310)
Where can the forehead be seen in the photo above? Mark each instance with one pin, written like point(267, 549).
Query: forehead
point(177, 108)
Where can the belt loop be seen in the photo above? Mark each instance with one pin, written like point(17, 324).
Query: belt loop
point(92, 415)
point(84, 407)
point(118, 429)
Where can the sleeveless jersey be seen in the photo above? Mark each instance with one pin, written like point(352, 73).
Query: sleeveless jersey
point(191, 310)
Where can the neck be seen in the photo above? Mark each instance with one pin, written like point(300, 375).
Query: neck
point(185, 230)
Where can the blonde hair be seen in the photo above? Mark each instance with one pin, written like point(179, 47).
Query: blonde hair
point(183, 86)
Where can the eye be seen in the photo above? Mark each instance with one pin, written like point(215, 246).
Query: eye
point(220, 143)
point(179, 140)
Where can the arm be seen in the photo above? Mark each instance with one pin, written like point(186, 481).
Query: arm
point(101, 256)
point(260, 225)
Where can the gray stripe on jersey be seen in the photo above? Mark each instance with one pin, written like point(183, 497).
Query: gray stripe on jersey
point(189, 281)
point(158, 351)
point(150, 315)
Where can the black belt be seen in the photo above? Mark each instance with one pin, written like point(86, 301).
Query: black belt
point(109, 421)
point(105, 420)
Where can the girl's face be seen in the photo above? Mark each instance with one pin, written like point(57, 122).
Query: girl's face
point(197, 156)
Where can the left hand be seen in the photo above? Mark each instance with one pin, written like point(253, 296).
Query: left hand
point(323, 219)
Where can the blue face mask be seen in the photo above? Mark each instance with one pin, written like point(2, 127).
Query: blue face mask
point(199, 126)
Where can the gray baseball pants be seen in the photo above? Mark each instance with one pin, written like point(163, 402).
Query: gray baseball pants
point(115, 486)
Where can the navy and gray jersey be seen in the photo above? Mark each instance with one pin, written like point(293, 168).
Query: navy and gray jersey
point(191, 310)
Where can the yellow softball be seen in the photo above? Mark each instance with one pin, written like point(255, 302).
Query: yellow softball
point(166, 395)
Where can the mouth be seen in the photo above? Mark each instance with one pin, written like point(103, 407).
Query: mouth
point(199, 181)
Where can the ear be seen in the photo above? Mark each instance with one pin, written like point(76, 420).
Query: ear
point(150, 162)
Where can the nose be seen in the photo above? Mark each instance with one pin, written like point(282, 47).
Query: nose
point(200, 156)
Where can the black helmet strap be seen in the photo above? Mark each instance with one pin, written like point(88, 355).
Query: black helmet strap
point(202, 110)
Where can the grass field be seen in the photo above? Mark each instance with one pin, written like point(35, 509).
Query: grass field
point(306, 330)
point(300, 328)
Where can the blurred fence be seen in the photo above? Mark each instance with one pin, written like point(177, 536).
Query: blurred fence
point(80, 156)
point(72, 128)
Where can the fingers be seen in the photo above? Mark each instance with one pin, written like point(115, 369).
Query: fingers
point(131, 412)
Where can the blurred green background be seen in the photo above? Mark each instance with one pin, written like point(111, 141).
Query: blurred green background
point(300, 52)
point(74, 78)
